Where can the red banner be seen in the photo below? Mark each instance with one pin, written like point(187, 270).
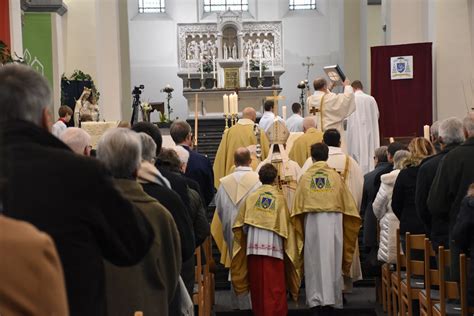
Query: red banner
point(5, 21)
point(405, 105)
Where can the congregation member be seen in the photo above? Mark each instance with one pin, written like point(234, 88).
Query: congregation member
point(29, 265)
point(231, 194)
point(78, 140)
point(65, 114)
point(453, 177)
point(266, 259)
point(148, 286)
point(295, 122)
point(463, 236)
point(268, 115)
point(434, 135)
point(363, 128)
point(242, 134)
point(403, 197)
point(199, 167)
point(301, 149)
point(331, 108)
point(382, 207)
point(88, 219)
point(325, 210)
point(353, 177)
point(450, 135)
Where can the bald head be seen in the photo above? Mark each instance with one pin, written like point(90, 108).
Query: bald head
point(309, 122)
point(78, 140)
point(249, 113)
point(320, 84)
point(242, 157)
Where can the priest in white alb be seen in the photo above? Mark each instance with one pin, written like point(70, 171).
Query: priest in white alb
point(363, 129)
point(326, 214)
point(331, 109)
point(288, 170)
point(232, 192)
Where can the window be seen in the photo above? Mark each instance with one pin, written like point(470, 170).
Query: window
point(224, 5)
point(151, 6)
point(302, 4)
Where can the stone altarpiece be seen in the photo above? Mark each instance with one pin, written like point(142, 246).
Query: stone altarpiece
point(229, 44)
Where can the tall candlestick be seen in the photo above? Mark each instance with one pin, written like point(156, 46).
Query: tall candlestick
point(283, 110)
point(226, 104)
point(189, 74)
point(248, 66)
point(236, 103)
point(260, 66)
point(273, 72)
point(426, 132)
point(201, 66)
point(213, 67)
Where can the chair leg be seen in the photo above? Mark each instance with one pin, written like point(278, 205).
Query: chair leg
point(389, 299)
point(394, 301)
point(384, 293)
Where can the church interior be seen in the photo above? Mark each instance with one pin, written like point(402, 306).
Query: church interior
point(236, 157)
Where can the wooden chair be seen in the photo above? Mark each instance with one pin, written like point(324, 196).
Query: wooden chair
point(198, 295)
point(397, 276)
point(448, 290)
point(209, 283)
point(415, 271)
point(463, 264)
point(386, 287)
point(429, 296)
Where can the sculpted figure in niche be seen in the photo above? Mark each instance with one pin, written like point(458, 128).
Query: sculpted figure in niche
point(234, 51)
point(226, 52)
point(257, 49)
point(267, 49)
point(248, 50)
point(86, 108)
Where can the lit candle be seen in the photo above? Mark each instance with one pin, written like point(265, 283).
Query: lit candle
point(189, 74)
point(213, 67)
point(226, 104)
point(426, 132)
point(202, 72)
point(283, 110)
point(273, 66)
point(260, 66)
point(232, 105)
point(236, 103)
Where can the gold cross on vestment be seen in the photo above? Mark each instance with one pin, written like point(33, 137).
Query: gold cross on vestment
point(275, 98)
point(314, 111)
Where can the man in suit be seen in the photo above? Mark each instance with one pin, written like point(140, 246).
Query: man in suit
point(29, 265)
point(199, 167)
point(86, 216)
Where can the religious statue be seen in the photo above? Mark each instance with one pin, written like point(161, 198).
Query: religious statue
point(211, 47)
point(257, 49)
point(267, 48)
point(234, 51)
point(226, 52)
point(248, 48)
point(86, 108)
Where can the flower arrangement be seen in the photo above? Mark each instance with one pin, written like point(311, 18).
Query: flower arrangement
point(255, 65)
point(207, 65)
point(79, 75)
point(6, 56)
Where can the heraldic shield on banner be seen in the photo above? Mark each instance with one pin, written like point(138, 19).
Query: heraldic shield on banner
point(401, 67)
point(266, 202)
point(320, 181)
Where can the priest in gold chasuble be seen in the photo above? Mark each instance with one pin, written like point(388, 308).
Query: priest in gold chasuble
point(301, 149)
point(266, 251)
point(326, 215)
point(240, 135)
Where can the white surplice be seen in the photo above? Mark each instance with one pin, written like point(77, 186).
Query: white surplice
point(267, 120)
point(295, 123)
point(336, 108)
point(363, 131)
point(354, 179)
point(228, 210)
point(58, 128)
point(323, 248)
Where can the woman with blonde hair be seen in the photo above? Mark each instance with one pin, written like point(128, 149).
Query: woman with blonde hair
point(403, 198)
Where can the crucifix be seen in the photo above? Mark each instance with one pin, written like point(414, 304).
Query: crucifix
point(314, 111)
point(308, 65)
point(275, 98)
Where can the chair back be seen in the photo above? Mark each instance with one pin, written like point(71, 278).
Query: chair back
point(401, 258)
point(414, 267)
point(431, 275)
point(463, 264)
point(447, 289)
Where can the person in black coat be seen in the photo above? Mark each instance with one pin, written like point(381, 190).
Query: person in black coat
point(199, 167)
point(452, 179)
point(403, 198)
point(85, 215)
point(463, 236)
point(451, 135)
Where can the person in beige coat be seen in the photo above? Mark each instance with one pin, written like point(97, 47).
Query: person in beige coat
point(150, 285)
point(31, 276)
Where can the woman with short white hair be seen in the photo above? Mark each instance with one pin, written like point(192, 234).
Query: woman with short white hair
point(78, 140)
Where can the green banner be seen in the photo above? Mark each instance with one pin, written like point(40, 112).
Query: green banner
point(38, 43)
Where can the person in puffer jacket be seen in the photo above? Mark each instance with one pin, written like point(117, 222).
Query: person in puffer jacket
point(382, 207)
